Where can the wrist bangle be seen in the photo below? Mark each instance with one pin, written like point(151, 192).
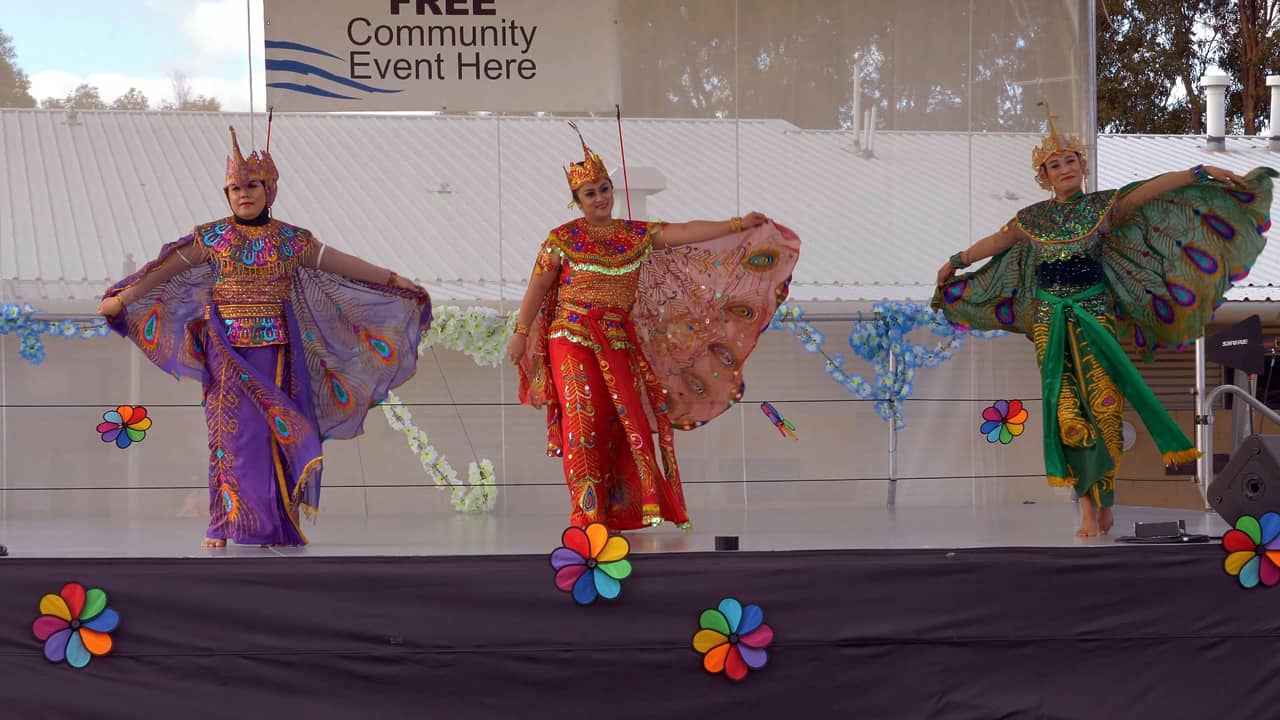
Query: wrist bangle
point(391, 277)
point(522, 329)
point(735, 224)
point(1197, 172)
point(957, 260)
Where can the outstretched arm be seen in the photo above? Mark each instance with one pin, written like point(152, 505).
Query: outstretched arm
point(183, 258)
point(325, 258)
point(1169, 182)
point(989, 246)
point(695, 231)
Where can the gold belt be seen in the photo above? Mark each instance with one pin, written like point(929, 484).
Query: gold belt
point(255, 310)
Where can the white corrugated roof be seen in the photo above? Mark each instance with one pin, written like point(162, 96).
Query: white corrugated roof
point(461, 203)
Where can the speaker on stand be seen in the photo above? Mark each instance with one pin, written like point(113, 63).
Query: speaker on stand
point(1240, 488)
point(1239, 349)
point(1250, 483)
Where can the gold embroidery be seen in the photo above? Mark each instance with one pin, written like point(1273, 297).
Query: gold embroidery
point(227, 513)
point(1090, 404)
point(253, 276)
point(581, 460)
point(286, 498)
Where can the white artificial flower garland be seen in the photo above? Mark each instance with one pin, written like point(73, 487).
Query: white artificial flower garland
point(481, 334)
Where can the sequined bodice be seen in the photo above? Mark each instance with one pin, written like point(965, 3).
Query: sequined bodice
point(599, 269)
point(1065, 239)
point(253, 276)
point(601, 264)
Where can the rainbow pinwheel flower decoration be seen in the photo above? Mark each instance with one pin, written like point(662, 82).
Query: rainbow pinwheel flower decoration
point(75, 625)
point(784, 425)
point(1003, 421)
point(591, 564)
point(732, 639)
point(1253, 550)
point(125, 425)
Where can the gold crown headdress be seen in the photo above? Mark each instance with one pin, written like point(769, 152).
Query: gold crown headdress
point(590, 170)
point(1054, 143)
point(258, 166)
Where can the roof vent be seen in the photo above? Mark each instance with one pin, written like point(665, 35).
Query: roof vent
point(1273, 82)
point(1215, 121)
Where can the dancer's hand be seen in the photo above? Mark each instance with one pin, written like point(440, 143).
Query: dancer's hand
point(755, 219)
point(110, 307)
point(1221, 175)
point(406, 284)
point(945, 273)
point(515, 348)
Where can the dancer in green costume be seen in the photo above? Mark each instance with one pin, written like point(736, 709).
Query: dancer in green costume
point(1151, 260)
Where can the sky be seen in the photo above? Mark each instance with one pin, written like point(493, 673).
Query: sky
point(118, 44)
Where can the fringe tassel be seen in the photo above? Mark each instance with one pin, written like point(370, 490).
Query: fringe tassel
point(1178, 457)
point(1067, 482)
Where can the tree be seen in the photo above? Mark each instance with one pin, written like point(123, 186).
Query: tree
point(195, 103)
point(84, 97)
point(202, 103)
point(1151, 57)
point(1250, 28)
point(133, 99)
point(15, 88)
point(183, 99)
point(1153, 53)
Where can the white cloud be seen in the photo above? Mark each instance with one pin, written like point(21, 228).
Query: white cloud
point(217, 30)
point(217, 65)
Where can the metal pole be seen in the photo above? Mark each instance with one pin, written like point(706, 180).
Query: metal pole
point(857, 104)
point(1240, 396)
point(1204, 427)
point(1088, 31)
point(133, 464)
point(1241, 417)
point(893, 436)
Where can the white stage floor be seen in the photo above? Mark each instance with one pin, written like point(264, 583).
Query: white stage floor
point(795, 528)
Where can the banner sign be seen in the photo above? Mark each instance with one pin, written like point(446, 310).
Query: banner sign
point(454, 55)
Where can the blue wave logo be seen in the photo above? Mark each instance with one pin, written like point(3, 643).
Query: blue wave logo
point(312, 73)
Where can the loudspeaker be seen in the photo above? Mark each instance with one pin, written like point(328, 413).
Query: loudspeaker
point(1250, 483)
point(1239, 346)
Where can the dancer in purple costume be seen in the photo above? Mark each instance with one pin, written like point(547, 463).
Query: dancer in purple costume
point(294, 342)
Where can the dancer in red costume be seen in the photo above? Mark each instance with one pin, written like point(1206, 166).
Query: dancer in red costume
point(631, 328)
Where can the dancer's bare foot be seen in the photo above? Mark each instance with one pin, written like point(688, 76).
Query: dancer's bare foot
point(1106, 520)
point(213, 543)
point(1088, 518)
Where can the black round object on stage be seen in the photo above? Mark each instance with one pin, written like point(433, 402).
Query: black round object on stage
point(726, 542)
point(3, 551)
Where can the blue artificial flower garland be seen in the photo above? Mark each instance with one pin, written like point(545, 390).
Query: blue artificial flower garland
point(876, 341)
point(17, 319)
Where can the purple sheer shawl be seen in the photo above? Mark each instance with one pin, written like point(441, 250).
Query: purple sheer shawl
point(359, 340)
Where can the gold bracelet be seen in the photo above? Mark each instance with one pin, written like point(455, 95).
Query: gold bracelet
point(522, 329)
point(735, 224)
